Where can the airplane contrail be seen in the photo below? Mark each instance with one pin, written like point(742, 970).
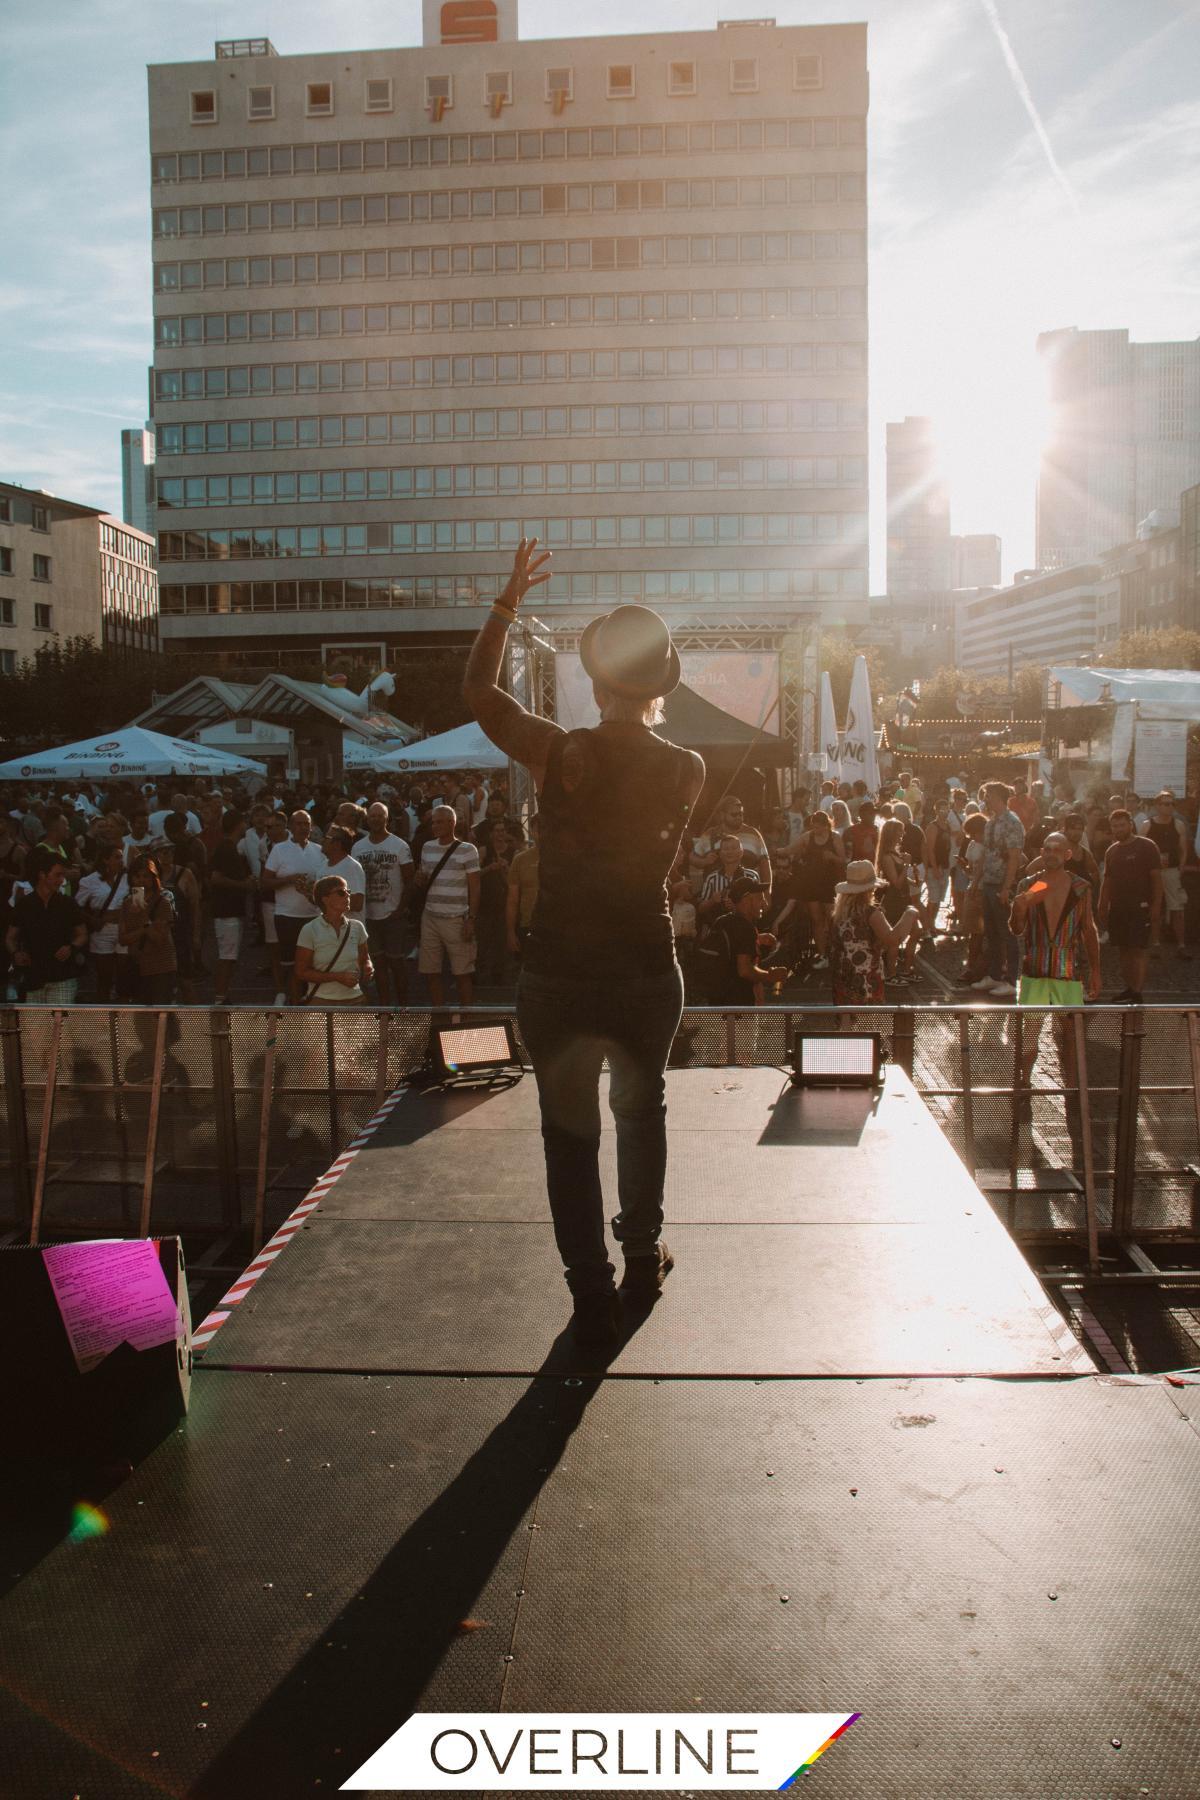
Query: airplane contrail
point(1026, 98)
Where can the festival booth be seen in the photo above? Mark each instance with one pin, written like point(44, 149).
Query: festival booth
point(738, 758)
point(1130, 726)
point(133, 754)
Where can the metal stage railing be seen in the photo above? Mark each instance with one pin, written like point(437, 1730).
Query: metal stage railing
point(210, 1121)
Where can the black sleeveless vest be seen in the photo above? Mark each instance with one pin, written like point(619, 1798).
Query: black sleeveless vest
point(605, 850)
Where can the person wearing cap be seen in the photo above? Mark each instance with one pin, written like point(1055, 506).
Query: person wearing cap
point(1052, 917)
point(730, 952)
point(599, 976)
point(860, 937)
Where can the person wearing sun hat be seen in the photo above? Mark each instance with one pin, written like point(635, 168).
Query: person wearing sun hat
point(599, 976)
point(860, 937)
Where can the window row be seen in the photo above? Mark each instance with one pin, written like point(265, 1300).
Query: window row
point(688, 305)
point(41, 569)
point(43, 617)
point(703, 194)
point(291, 487)
point(645, 418)
point(124, 544)
point(494, 89)
point(375, 321)
point(338, 594)
point(509, 146)
point(409, 537)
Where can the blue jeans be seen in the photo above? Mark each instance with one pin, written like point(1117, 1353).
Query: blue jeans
point(569, 1025)
point(1002, 948)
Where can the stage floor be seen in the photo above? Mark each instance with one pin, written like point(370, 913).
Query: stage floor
point(761, 1514)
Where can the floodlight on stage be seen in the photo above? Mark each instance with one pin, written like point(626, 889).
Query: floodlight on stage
point(837, 1059)
point(476, 1049)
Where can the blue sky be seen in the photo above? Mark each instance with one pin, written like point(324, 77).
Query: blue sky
point(1033, 164)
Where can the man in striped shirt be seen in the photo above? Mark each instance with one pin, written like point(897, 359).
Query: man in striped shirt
point(1052, 919)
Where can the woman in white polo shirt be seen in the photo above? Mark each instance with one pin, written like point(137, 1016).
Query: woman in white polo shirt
point(333, 962)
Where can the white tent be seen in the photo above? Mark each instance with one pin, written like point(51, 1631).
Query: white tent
point(466, 747)
point(1175, 692)
point(133, 752)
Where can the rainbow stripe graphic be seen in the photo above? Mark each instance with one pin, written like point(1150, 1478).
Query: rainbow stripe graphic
point(831, 1739)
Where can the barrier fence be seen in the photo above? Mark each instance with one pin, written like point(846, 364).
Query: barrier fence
point(209, 1121)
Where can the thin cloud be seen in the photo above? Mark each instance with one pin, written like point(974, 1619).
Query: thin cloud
point(1026, 99)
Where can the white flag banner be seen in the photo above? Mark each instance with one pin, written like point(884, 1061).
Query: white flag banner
point(524, 1753)
point(857, 753)
point(829, 739)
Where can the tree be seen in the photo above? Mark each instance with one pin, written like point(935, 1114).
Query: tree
point(1173, 648)
point(837, 654)
point(940, 692)
point(76, 689)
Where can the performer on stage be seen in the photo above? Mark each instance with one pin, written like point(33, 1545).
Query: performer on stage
point(599, 976)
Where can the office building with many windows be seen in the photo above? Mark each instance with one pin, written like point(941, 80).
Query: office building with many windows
point(67, 571)
point(1124, 439)
point(413, 304)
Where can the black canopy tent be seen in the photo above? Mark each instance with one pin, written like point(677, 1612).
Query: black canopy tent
point(739, 759)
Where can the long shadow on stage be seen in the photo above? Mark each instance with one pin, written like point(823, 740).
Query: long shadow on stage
point(390, 1640)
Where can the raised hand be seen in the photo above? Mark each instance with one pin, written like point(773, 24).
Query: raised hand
point(529, 570)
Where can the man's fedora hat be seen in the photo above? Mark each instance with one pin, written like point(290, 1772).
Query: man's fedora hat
point(629, 651)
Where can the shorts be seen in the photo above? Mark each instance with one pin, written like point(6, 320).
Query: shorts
point(229, 938)
point(935, 887)
point(438, 934)
point(287, 929)
point(386, 937)
point(1129, 927)
point(1047, 990)
point(54, 993)
point(268, 922)
point(1174, 892)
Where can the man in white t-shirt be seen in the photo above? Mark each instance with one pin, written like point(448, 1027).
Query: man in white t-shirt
point(139, 837)
point(178, 804)
point(290, 870)
point(451, 907)
point(388, 865)
point(338, 843)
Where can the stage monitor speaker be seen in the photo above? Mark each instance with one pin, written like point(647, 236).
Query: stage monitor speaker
point(837, 1059)
point(95, 1347)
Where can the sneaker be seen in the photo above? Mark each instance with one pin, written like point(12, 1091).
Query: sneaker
point(820, 962)
point(644, 1275)
point(596, 1318)
point(280, 1000)
point(983, 986)
point(1003, 990)
point(1125, 995)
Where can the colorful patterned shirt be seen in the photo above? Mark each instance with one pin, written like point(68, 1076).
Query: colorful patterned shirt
point(1061, 955)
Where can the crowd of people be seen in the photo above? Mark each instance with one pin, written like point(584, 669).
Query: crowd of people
point(118, 893)
point(110, 892)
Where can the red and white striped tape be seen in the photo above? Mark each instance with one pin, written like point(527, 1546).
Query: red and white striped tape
point(253, 1272)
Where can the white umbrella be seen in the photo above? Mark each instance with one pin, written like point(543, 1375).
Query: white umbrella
point(133, 751)
point(828, 740)
point(858, 746)
point(466, 747)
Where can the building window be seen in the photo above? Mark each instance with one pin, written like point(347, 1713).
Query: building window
point(681, 78)
point(204, 106)
point(41, 616)
point(378, 96)
point(260, 103)
point(5, 509)
point(806, 73)
point(743, 75)
point(41, 519)
point(620, 81)
point(497, 91)
point(6, 565)
point(6, 613)
point(560, 87)
point(8, 662)
point(41, 568)
point(439, 94)
point(318, 99)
